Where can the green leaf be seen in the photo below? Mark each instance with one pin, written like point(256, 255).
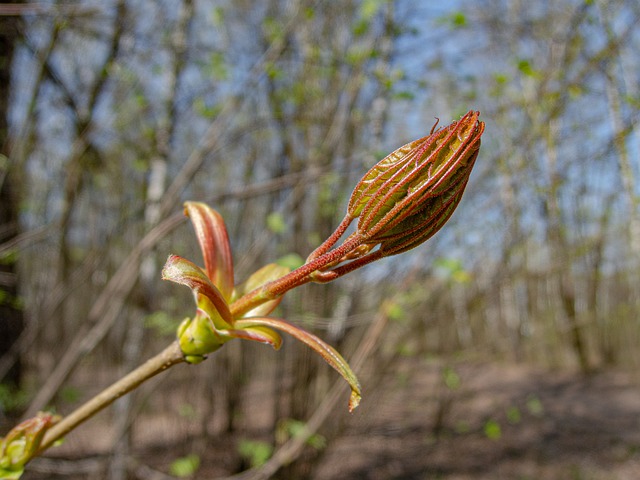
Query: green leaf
point(453, 20)
point(218, 66)
point(70, 394)
point(257, 279)
point(186, 410)
point(492, 430)
point(525, 67)
point(182, 271)
point(534, 406)
point(22, 443)
point(11, 474)
point(185, 466)
point(394, 311)
point(296, 429)
point(451, 378)
point(290, 261)
point(254, 333)
point(404, 95)
point(276, 223)
point(206, 111)
point(326, 351)
point(368, 8)
point(161, 323)
point(513, 415)
point(256, 452)
point(12, 398)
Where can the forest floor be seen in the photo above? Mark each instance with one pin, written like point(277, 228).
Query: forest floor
point(479, 421)
point(498, 422)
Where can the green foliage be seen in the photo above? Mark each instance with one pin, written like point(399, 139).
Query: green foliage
point(405, 349)
point(395, 311)
point(452, 270)
point(454, 20)
point(186, 410)
point(70, 394)
point(462, 426)
point(369, 8)
point(492, 430)
point(526, 68)
point(255, 452)
point(14, 474)
point(161, 323)
point(451, 378)
point(632, 101)
point(218, 17)
point(290, 261)
point(185, 466)
point(12, 398)
point(513, 415)
point(206, 111)
point(291, 428)
point(218, 66)
point(273, 71)
point(327, 194)
point(357, 54)
point(9, 257)
point(7, 298)
point(273, 29)
point(404, 95)
point(534, 406)
point(276, 222)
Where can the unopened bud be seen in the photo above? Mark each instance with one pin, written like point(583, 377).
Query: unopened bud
point(407, 197)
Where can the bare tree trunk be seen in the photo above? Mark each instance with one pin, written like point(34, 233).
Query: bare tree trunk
point(11, 314)
point(561, 258)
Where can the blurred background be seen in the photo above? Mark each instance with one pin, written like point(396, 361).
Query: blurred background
point(504, 347)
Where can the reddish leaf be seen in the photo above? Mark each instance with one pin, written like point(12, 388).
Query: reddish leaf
point(214, 243)
point(330, 354)
point(208, 297)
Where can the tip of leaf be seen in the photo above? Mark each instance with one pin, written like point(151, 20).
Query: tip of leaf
point(354, 400)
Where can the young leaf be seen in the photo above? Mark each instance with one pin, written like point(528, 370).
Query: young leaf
point(209, 298)
point(214, 243)
point(330, 354)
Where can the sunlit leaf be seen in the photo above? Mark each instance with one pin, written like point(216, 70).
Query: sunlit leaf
point(184, 272)
point(255, 333)
point(276, 223)
point(257, 279)
point(492, 430)
point(330, 354)
point(185, 466)
point(256, 452)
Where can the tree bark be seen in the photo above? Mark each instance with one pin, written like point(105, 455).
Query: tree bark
point(11, 315)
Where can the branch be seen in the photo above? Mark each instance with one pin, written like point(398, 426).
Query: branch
point(170, 356)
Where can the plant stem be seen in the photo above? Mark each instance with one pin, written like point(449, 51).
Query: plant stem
point(170, 356)
point(293, 279)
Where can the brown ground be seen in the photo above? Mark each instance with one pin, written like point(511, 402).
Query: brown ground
point(551, 426)
point(495, 422)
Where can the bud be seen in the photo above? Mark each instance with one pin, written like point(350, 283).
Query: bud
point(407, 196)
point(22, 443)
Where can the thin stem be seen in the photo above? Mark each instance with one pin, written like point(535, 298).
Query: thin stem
point(170, 356)
point(330, 275)
point(331, 241)
point(298, 277)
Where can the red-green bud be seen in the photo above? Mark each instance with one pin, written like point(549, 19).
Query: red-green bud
point(407, 196)
point(22, 443)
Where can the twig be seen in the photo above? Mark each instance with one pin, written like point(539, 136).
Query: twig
point(170, 356)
